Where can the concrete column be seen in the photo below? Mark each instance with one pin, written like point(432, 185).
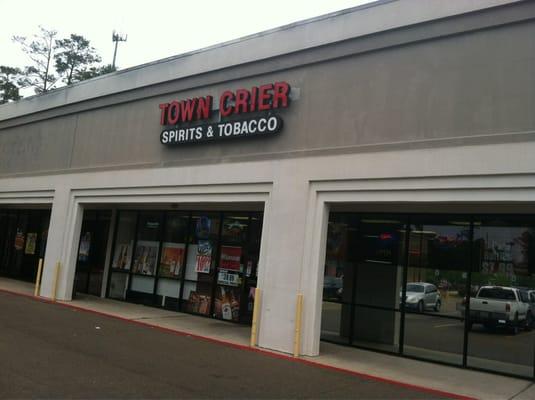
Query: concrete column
point(62, 245)
point(280, 271)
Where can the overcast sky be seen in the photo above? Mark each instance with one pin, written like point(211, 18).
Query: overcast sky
point(156, 29)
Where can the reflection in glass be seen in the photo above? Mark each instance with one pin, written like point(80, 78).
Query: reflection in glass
point(118, 285)
point(376, 322)
point(332, 328)
point(439, 257)
point(124, 241)
point(501, 313)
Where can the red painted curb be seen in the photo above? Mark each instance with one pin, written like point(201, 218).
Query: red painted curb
point(423, 389)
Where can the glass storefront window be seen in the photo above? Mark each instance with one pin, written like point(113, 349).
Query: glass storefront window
point(501, 308)
point(439, 258)
point(378, 278)
point(338, 281)
point(199, 262)
point(383, 279)
point(147, 245)
point(122, 254)
point(362, 280)
point(174, 246)
point(22, 242)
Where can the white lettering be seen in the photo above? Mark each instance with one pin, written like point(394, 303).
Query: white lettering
point(228, 131)
point(262, 125)
point(244, 128)
point(237, 128)
point(272, 124)
point(252, 126)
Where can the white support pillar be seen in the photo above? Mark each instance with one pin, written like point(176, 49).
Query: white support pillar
point(62, 245)
point(314, 267)
point(280, 270)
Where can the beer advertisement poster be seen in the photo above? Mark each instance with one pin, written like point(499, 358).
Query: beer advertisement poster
point(123, 256)
point(172, 259)
point(145, 257)
point(31, 243)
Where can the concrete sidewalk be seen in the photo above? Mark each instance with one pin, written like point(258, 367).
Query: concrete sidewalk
point(384, 367)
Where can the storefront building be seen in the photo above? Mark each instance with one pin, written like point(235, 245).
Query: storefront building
point(377, 161)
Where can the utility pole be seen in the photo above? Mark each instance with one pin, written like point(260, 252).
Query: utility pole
point(116, 37)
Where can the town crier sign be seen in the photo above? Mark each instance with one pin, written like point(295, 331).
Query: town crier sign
point(181, 118)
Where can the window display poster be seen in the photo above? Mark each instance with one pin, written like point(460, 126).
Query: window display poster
point(123, 256)
point(19, 240)
point(198, 303)
point(204, 257)
point(31, 243)
point(85, 245)
point(172, 259)
point(230, 258)
point(229, 278)
point(227, 304)
point(145, 257)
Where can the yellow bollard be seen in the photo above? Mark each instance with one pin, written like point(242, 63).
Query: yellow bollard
point(54, 288)
point(298, 314)
point(38, 278)
point(254, 325)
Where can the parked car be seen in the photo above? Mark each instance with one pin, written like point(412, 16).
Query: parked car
point(421, 296)
point(531, 300)
point(501, 306)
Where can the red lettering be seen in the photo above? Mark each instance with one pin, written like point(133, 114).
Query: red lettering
point(173, 113)
point(187, 107)
point(264, 97)
point(163, 114)
point(223, 108)
point(242, 100)
point(280, 94)
point(254, 96)
point(204, 107)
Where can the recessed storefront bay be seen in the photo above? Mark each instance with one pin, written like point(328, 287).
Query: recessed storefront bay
point(410, 297)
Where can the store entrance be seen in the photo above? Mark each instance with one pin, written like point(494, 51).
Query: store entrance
point(92, 252)
point(363, 280)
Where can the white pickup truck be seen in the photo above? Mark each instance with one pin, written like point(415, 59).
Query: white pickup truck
point(496, 306)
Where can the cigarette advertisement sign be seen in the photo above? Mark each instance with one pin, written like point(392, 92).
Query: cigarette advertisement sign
point(230, 258)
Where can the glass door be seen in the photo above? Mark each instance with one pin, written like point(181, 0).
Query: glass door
point(92, 252)
point(378, 280)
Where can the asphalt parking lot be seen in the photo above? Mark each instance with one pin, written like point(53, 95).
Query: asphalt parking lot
point(49, 351)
